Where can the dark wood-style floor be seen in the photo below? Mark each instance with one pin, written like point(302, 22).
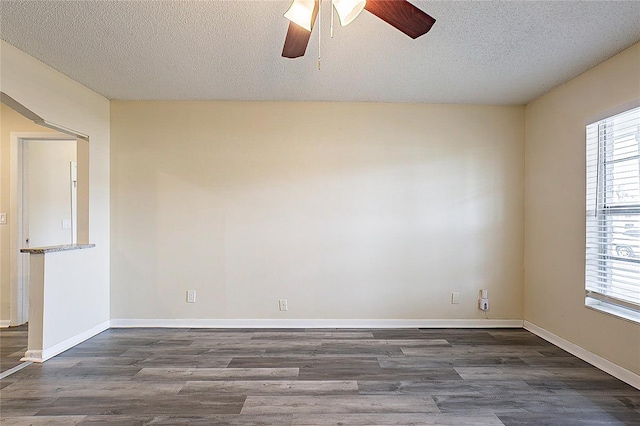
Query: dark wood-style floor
point(316, 377)
point(13, 345)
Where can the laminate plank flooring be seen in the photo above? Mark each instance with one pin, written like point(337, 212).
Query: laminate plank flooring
point(316, 377)
point(13, 345)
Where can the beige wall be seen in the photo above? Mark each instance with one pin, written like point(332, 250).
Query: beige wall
point(10, 121)
point(67, 103)
point(349, 211)
point(555, 209)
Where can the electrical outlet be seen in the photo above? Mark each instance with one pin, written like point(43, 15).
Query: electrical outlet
point(455, 298)
point(483, 304)
point(191, 296)
point(282, 305)
point(3, 218)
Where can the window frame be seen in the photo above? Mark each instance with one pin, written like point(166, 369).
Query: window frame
point(602, 215)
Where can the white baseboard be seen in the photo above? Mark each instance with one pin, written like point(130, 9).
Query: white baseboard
point(47, 353)
point(5, 323)
point(605, 365)
point(316, 323)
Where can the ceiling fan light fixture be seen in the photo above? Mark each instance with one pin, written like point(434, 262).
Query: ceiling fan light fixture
point(301, 13)
point(348, 10)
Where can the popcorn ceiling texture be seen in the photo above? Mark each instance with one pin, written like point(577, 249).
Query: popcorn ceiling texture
point(477, 52)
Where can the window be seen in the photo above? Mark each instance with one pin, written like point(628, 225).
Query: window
point(613, 215)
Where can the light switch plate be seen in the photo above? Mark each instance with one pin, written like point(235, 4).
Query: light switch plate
point(3, 218)
point(66, 224)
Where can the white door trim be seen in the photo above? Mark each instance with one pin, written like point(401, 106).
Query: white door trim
point(73, 166)
point(22, 302)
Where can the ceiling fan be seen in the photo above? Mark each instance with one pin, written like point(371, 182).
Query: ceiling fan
point(398, 13)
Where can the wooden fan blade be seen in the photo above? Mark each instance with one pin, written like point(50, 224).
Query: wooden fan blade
point(295, 44)
point(402, 15)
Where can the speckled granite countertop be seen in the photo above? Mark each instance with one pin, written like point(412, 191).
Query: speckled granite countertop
point(52, 249)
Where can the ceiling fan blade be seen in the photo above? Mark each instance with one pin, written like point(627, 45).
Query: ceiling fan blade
point(402, 15)
point(295, 43)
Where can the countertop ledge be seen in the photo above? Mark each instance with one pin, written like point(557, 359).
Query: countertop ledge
point(52, 249)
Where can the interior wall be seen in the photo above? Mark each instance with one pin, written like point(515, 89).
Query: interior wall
point(349, 211)
point(555, 209)
point(67, 103)
point(50, 191)
point(10, 121)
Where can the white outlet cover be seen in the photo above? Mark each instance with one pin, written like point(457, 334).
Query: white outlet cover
point(282, 305)
point(455, 298)
point(3, 218)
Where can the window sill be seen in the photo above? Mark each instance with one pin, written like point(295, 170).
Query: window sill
point(611, 309)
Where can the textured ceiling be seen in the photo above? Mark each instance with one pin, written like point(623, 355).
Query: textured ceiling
point(481, 52)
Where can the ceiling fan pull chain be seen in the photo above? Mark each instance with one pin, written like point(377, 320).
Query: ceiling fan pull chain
point(319, 29)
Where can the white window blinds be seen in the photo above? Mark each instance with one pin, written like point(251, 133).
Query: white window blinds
point(613, 212)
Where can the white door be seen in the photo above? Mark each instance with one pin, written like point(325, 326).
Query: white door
point(48, 185)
